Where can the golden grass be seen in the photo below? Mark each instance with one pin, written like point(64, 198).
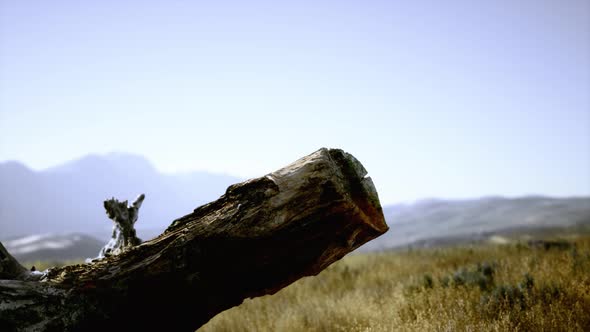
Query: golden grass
point(528, 289)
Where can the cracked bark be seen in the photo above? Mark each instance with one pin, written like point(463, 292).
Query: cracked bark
point(259, 237)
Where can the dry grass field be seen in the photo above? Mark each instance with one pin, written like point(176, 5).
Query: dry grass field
point(489, 287)
point(509, 285)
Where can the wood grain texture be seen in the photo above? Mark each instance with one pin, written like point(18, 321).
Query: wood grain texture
point(259, 237)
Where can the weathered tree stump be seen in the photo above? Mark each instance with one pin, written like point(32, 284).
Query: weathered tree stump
point(124, 218)
point(259, 237)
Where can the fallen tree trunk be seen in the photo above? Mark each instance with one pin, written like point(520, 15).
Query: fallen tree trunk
point(259, 237)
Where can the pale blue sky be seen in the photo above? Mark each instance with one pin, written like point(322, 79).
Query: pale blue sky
point(447, 99)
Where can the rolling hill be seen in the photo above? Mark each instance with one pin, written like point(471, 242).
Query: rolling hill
point(53, 247)
point(434, 221)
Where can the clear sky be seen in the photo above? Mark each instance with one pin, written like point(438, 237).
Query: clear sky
point(447, 99)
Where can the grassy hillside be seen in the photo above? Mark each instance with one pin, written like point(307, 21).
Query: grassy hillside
point(488, 287)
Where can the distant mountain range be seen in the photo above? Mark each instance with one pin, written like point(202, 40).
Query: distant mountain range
point(434, 221)
point(425, 223)
point(69, 198)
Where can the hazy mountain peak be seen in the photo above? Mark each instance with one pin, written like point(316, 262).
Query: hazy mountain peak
point(14, 166)
point(127, 158)
point(99, 163)
point(69, 197)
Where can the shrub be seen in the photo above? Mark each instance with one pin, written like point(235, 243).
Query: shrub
point(445, 281)
point(482, 276)
point(506, 297)
point(427, 281)
point(550, 244)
